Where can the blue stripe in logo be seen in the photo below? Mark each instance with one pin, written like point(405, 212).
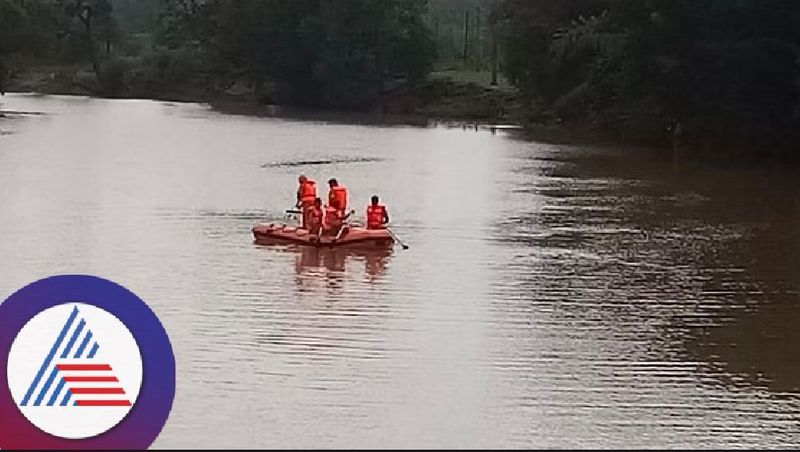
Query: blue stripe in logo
point(49, 359)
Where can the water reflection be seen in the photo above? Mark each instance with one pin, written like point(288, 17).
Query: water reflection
point(321, 267)
point(677, 293)
point(754, 344)
point(755, 349)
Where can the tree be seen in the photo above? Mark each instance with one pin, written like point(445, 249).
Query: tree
point(11, 29)
point(27, 29)
point(726, 70)
point(322, 53)
point(93, 15)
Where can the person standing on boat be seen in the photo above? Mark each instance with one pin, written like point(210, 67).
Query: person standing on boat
point(338, 196)
point(336, 213)
point(377, 215)
point(306, 196)
point(306, 192)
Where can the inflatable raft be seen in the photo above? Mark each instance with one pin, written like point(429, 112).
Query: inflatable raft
point(351, 237)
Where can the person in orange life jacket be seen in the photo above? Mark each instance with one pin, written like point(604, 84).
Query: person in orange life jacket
point(337, 197)
point(314, 217)
point(333, 220)
point(306, 196)
point(306, 192)
point(377, 215)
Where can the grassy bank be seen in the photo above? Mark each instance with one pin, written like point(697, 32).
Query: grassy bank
point(450, 96)
point(459, 96)
point(455, 97)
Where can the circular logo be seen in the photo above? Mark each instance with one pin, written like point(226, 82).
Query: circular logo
point(88, 366)
point(74, 371)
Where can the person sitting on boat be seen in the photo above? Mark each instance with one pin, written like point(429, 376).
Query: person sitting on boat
point(377, 215)
point(338, 197)
point(314, 219)
point(306, 196)
point(333, 221)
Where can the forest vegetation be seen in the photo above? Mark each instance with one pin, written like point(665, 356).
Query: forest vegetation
point(719, 76)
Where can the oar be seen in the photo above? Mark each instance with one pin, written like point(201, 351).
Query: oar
point(405, 247)
point(338, 235)
point(342, 228)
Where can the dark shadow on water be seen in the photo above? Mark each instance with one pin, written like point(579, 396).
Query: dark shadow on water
point(711, 254)
point(367, 118)
point(756, 348)
point(233, 215)
point(756, 344)
point(330, 161)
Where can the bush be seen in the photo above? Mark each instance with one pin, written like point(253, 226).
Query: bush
point(113, 81)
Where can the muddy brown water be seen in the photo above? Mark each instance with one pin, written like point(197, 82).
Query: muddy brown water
point(552, 296)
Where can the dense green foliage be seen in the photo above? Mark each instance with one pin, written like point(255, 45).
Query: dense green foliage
point(725, 70)
point(318, 52)
point(25, 29)
point(314, 52)
point(55, 32)
point(462, 32)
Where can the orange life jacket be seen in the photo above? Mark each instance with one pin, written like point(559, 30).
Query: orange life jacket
point(308, 192)
point(333, 217)
point(337, 198)
point(314, 216)
point(375, 216)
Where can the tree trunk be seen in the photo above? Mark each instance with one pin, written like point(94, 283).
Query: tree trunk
point(466, 35)
point(85, 17)
point(478, 50)
point(494, 57)
point(2, 79)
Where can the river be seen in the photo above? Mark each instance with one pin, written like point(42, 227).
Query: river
point(551, 296)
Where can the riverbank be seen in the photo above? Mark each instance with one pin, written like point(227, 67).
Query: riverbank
point(451, 97)
point(443, 97)
point(457, 99)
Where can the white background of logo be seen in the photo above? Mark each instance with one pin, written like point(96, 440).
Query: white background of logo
point(118, 348)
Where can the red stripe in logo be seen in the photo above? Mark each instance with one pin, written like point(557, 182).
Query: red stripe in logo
point(103, 403)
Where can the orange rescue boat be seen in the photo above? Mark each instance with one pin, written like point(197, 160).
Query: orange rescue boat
point(350, 237)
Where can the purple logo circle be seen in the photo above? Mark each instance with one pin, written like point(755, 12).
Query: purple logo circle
point(86, 365)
